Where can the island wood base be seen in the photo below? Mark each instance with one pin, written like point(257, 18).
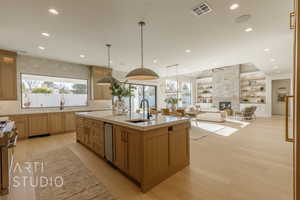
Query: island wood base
point(148, 157)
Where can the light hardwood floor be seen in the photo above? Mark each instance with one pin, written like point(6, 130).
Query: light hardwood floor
point(253, 163)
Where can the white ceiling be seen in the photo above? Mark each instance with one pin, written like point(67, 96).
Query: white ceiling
point(84, 27)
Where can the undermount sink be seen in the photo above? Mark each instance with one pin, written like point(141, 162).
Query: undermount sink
point(137, 120)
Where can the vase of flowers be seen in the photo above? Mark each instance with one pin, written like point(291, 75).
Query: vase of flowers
point(120, 91)
point(172, 102)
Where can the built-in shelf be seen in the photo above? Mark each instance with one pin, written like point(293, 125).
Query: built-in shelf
point(204, 90)
point(253, 79)
point(253, 88)
point(250, 103)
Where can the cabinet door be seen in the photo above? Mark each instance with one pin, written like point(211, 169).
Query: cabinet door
point(178, 147)
point(21, 123)
point(80, 134)
point(156, 157)
point(134, 154)
point(70, 121)
point(119, 148)
point(38, 124)
point(101, 92)
point(87, 136)
point(8, 77)
point(98, 139)
point(56, 122)
point(88, 132)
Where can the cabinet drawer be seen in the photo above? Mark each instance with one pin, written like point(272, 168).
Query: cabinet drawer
point(97, 123)
point(88, 122)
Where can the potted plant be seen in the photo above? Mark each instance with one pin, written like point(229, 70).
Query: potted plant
point(173, 102)
point(120, 91)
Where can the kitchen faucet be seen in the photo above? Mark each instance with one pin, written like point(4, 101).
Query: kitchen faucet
point(142, 105)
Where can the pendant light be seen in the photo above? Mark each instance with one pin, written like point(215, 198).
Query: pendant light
point(142, 73)
point(107, 80)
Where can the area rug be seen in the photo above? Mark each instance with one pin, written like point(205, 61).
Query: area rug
point(202, 129)
point(197, 133)
point(71, 180)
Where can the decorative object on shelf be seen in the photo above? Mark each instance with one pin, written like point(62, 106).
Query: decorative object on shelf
point(107, 80)
point(120, 91)
point(172, 102)
point(142, 73)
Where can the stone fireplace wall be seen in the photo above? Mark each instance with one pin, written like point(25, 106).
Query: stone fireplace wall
point(226, 86)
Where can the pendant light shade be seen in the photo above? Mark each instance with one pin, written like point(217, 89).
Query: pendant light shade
point(107, 80)
point(142, 73)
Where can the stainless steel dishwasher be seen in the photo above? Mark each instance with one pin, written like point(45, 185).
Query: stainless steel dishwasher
point(108, 135)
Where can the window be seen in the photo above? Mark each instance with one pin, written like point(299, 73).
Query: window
point(140, 92)
point(45, 91)
point(181, 90)
point(186, 93)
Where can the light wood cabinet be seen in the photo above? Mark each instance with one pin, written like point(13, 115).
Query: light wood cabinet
point(178, 147)
point(56, 122)
point(70, 121)
point(149, 156)
point(21, 122)
point(97, 138)
point(8, 75)
point(79, 129)
point(119, 148)
point(100, 92)
point(156, 157)
point(128, 151)
point(91, 134)
point(134, 154)
point(38, 124)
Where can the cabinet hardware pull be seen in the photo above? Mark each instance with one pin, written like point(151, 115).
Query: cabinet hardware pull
point(287, 139)
point(292, 20)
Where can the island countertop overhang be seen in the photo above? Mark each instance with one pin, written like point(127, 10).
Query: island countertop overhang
point(158, 121)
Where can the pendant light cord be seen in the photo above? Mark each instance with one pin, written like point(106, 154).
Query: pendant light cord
point(108, 54)
point(142, 43)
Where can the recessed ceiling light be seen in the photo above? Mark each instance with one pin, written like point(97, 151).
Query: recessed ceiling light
point(188, 51)
point(272, 60)
point(266, 49)
point(248, 29)
point(82, 56)
point(41, 48)
point(234, 6)
point(53, 11)
point(46, 34)
point(154, 61)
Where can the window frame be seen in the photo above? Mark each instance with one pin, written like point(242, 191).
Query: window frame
point(28, 108)
point(179, 90)
point(140, 84)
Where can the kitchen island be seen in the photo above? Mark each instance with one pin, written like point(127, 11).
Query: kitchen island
point(147, 151)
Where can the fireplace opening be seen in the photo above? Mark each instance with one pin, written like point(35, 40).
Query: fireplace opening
point(225, 105)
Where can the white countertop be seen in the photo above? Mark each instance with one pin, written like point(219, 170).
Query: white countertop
point(46, 110)
point(157, 121)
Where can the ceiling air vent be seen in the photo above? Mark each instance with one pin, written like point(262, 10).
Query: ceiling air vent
point(201, 9)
